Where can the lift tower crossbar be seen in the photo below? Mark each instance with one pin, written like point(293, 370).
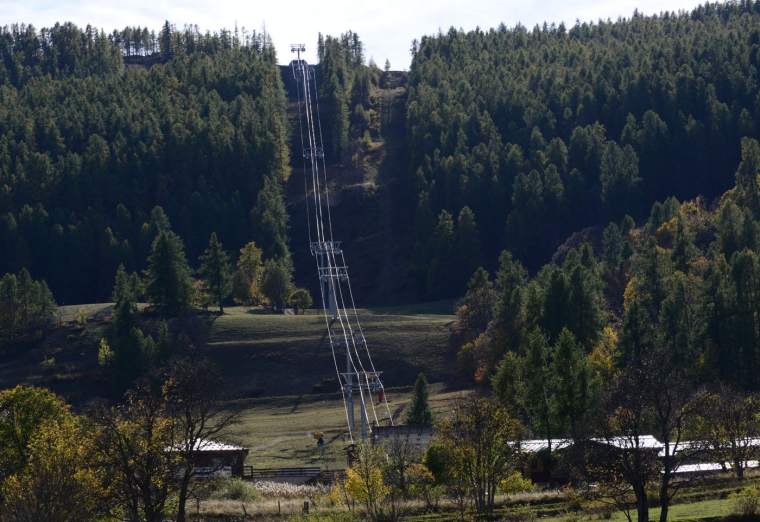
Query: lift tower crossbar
point(360, 380)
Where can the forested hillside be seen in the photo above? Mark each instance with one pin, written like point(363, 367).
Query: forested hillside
point(90, 147)
point(542, 132)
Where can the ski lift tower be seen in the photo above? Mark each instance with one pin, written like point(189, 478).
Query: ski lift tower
point(360, 378)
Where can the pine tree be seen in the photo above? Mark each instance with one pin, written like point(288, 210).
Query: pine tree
point(125, 301)
point(511, 280)
point(684, 250)
point(536, 395)
point(169, 283)
point(557, 310)
point(746, 175)
point(440, 248)
point(728, 222)
point(745, 272)
point(571, 382)
point(586, 317)
point(467, 244)
point(165, 42)
point(620, 179)
point(613, 245)
point(215, 271)
point(246, 281)
point(419, 409)
point(165, 344)
point(477, 307)
point(271, 216)
point(636, 336)
point(129, 356)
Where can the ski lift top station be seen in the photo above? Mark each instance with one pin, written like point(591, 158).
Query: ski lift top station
point(360, 379)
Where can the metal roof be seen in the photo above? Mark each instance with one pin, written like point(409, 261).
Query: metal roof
point(644, 442)
point(536, 445)
point(710, 466)
point(202, 445)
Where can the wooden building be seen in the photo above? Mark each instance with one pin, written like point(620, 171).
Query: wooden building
point(219, 459)
point(415, 435)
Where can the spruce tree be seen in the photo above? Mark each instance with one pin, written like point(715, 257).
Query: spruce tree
point(613, 244)
point(467, 244)
point(215, 271)
point(169, 284)
point(440, 249)
point(536, 394)
point(571, 382)
point(587, 317)
point(620, 179)
point(271, 218)
point(419, 409)
point(125, 302)
point(165, 344)
point(246, 281)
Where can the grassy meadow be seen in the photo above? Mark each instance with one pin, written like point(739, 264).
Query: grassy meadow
point(280, 368)
point(267, 354)
point(278, 430)
point(698, 503)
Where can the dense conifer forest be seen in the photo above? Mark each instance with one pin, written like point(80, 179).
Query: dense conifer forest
point(590, 194)
point(543, 132)
point(97, 156)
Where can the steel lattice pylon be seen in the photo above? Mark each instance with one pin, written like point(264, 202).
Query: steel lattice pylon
point(343, 327)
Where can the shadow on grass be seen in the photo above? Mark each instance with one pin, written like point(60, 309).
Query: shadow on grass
point(443, 307)
point(262, 311)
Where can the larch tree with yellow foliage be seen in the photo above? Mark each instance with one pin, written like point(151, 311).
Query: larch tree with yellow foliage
point(484, 438)
point(57, 484)
point(364, 479)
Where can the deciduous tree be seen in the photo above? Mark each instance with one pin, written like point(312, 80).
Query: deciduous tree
point(483, 439)
point(277, 284)
point(57, 484)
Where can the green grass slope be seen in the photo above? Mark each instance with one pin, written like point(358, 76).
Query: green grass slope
point(278, 431)
point(261, 353)
point(266, 354)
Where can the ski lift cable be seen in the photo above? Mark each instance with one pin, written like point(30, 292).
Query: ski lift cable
point(324, 165)
point(314, 167)
point(366, 347)
point(356, 315)
point(335, 263)
point(332, 264)
point(332, 345)
point(314, 172)
point(346, 330)
point(328, 254)
point(319, 126)
point(301, 125)
point(337, 371)
point(353, 340)
point(305, 182)
point(342, 316)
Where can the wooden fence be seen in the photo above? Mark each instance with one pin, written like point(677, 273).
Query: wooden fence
point(249, 472)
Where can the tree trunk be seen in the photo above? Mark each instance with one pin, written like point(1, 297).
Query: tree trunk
point(221, 307)
point(642, 503)
point(664, 499)
point(739, 468)
point(183, 496)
